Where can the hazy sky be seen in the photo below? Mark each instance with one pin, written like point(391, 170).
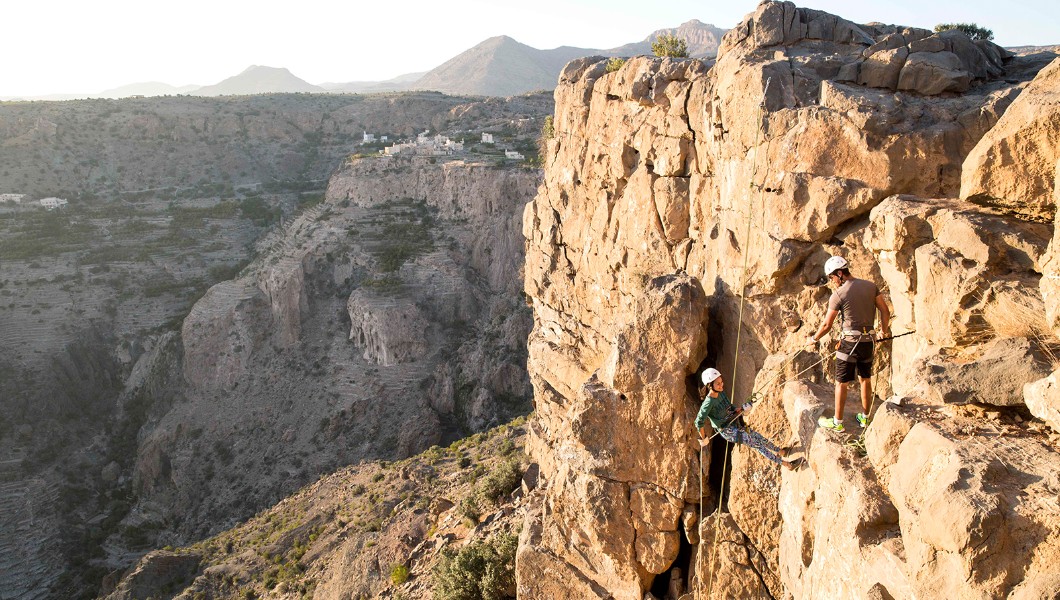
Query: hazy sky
point(88, 46)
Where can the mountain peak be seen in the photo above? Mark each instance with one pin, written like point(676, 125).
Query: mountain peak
point(258, 79)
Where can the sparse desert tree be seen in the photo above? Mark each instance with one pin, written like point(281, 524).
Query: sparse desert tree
point(667, 45)
point(973, 30)
point(614, 64)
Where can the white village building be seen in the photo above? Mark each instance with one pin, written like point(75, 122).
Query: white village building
point(53, 203)
point(12, 198)
point(512, 154)
point(425, 145)
point(487, 138)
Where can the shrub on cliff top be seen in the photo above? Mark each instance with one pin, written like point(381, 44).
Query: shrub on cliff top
point(973, 30)
point(614, 64)
point(671, 46)
point(483, 570)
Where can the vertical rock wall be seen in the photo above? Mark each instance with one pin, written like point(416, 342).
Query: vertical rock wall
point(683, 199)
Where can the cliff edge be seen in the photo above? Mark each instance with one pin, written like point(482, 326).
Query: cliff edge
point(685, 216)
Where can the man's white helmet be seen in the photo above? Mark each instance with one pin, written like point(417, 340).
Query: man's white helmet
point(710, 375)
point(833, 264)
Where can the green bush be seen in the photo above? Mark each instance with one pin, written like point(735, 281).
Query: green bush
point(548, 129)
point(671, 46)
point(614, 64)
point(399, 574)
point(499, 482)
point(973, 30)
point(481, 570)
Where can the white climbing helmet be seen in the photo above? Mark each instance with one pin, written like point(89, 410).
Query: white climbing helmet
point(710, 375)
point(833, 264)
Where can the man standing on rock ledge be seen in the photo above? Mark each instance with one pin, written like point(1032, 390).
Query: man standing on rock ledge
point(858, 300)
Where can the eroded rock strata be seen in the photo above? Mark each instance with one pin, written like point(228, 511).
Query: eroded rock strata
point(685, 216)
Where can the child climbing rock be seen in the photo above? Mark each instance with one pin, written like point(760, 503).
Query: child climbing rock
point(723, 416)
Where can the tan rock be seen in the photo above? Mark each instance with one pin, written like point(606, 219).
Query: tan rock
point(780, 167)
point(1043, 399)
point(960, 534)
point(998, 377)
point(641, 379)
point(1014, 165)
point(932, 73)
point(1050, 269)
point(881, 69)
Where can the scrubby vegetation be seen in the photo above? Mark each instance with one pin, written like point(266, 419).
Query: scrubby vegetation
point(481, 570)
point(375, 513)
point(670, 46)
point(973, 30)
point(614, 64)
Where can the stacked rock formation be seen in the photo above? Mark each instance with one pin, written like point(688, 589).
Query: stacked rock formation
point(685, 216)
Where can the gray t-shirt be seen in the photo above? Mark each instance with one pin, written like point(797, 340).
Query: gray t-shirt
point(856, 299)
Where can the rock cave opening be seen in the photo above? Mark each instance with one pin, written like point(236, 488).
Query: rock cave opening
point(673, 582)
point(715, 472)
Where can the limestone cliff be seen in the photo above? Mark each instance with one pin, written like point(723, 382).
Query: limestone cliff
point(685, 216)
point(376, 324)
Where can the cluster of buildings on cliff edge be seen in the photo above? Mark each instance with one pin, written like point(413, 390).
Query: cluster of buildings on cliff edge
point(48, 203)
point(439, 145)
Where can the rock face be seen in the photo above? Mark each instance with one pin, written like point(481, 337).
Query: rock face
point(929, 512)
point(157, 573)
point(1015, 165)
point(681, 201)
point(376, 324)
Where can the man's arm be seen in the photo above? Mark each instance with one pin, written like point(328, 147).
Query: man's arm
point(885, 315)
point(828, 321)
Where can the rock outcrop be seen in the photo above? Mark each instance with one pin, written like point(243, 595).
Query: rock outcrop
point(1014, 166)
point(714, 196)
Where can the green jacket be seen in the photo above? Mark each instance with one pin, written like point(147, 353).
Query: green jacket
point(719, 410)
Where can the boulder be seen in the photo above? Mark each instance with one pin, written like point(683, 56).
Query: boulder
point(932, 73)
point(1042, 398)
point(618, 454)
point(965, 529)
point(997, 377)
point(882, 68)
point(1014, 166)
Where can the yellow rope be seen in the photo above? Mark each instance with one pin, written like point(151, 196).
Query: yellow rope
point(739, 331)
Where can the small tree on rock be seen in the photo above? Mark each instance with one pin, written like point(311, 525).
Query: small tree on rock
point(667, 45)
point(973, 30)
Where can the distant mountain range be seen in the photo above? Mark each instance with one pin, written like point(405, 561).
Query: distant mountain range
point(258, 80)
point(499, 66)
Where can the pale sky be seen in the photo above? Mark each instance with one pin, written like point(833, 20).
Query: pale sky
point(86, 46)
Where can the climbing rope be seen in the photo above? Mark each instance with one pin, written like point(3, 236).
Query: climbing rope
point(739, 330)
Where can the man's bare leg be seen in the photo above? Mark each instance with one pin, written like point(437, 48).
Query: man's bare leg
point(840, 400)
point(866, 394)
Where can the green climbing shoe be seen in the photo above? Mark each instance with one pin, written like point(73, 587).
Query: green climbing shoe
point(863, 419)
point(830, 423)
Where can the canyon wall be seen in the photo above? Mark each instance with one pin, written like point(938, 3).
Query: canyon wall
point(686, 213)
point(385, 320)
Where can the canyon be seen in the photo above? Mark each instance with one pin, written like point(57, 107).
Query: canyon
point(683, 217)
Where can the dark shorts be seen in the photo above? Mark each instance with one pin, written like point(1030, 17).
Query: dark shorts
point(859, 359)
